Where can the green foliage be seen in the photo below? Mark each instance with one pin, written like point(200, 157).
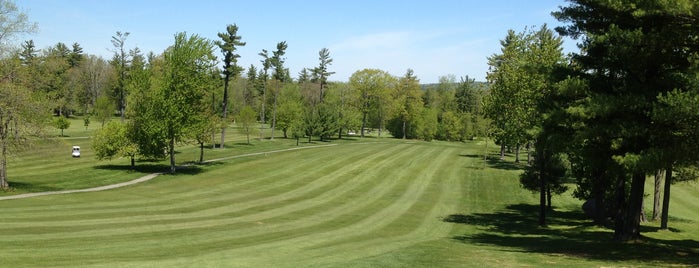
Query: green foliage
point(104, 109)
point(428, 125)
point(23, 114)
point(321, 121)
point(120, 62)
point(638, 68)
point(450, 127)
point(61, 123)
point(555, 170)
point(112, 141)
point(371, 95)
point(290, 109)
point(321, 73)
point(247, 120)
point(229, 43)
point(86, 121)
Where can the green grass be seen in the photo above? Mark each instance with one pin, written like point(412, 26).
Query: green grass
point(361, 203)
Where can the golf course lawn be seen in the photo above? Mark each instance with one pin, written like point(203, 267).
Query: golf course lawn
point(379, 203)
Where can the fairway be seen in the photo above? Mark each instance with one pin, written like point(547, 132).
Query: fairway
point(390, 203)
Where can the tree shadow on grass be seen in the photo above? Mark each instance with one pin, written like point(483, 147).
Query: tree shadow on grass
point(140, 168)
point(31, 187)
point(515, 229)
point(242, 144)
point(188, 169)
point(496, 163)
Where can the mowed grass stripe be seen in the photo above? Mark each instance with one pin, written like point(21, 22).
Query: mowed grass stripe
point(178, 221)
point(155, 195)
point(313, 230)
point(314, 248)
point(112, 240)
point(412, 214)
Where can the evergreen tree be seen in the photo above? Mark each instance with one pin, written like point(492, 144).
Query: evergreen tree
point(229, 43)
point(633, 56)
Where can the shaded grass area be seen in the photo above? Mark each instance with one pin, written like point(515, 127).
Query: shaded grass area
point(570, 235)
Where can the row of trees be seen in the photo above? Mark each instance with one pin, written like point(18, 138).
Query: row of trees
point(181, 95)
point(619, 110)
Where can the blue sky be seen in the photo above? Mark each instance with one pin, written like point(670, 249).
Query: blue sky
point(434, 38)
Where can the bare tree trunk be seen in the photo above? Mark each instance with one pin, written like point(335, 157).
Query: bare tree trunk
point(541, 158)
point(517, 154)
point(201, 152)
point(3, 163)
point(262, 112)
point(666, 198)
point(548, 198)
point(620, 205)
point(274, 115)
point(631, 226)
point(172, 155)
point(656, 194)
point(363, 123)
point(122, 103)
point(224, 116)
point(404, 129)
point(600, 213)
point(502, 151)
point(643, 212)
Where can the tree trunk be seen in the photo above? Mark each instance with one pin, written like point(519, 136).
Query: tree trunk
point(600, 213)
point(213, 139)
point(541, 158)
point(529, 153)
point(213, 132)
point(631, 229)
point(274, 115)
point(643, 212)
point(666, 198)
point(172, 155)
point(224, 116)
point(656, 194)
point(201, 152)
point(619, 207)
point(122, 103)
point(404, 129)
point(364, 114)
point(3, 165)
point(548, 198)
point(502, 151)
point(517, 154)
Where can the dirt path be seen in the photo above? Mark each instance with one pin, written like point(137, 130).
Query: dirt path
point(148, 177)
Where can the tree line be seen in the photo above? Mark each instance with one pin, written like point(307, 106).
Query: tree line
point(619, 110)
point(195, 88)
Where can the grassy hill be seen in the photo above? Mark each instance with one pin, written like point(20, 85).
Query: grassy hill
point(358, 203)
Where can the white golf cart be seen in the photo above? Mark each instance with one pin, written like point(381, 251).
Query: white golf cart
point(76, 151)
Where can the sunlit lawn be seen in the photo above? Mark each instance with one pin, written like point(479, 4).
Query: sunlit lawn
point(368, 202)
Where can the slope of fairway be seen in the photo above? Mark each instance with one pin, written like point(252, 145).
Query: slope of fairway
point(355, 204)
